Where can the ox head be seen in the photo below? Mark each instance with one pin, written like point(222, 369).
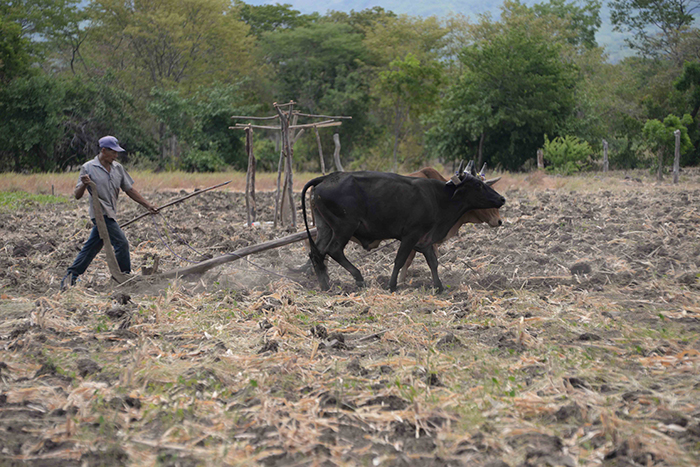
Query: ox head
point(474, 191)
point(492, 217)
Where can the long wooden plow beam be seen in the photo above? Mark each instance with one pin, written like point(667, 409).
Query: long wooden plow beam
point(179, 200)
point(112, 262)
point(238, 254)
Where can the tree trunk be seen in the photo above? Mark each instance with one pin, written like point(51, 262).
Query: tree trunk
point(336, 154)
point(480, 151)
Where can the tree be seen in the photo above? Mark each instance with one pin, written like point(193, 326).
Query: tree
point(661, 139)
point(30, 124)
point(14, 51)
point(178, 45)
point(268, 18)
point(584, 21)
point(181, 44)
point(656, 26)
point(395, 37)
point(408, 88)
point(514, 89)
point(690, 81)
point(322, 68)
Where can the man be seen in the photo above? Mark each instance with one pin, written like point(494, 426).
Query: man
point(109, 177)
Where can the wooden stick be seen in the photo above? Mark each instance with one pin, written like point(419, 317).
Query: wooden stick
point(104, 235)
point(321, 116)
point(238, 254)
point(243, 126)
point(320, 152)
point(278, 217)
point(179, 200)
point(250, 178)
point(275, 104)
point(290, 174)
point(256, 118)
point(324, 124)
point(317, 124)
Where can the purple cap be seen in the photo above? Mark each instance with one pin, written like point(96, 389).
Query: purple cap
point(112, 143)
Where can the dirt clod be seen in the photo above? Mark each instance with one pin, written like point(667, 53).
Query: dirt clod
point(87, 367)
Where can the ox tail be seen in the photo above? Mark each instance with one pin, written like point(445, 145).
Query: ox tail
point(315, 254)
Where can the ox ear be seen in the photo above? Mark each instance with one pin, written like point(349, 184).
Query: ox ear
point(492, 181)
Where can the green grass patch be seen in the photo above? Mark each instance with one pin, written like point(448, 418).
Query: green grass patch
point(13, 200)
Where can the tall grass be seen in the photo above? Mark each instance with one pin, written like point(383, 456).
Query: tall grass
point(62, 184)
point(146, 181)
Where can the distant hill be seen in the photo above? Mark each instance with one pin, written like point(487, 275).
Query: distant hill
point(606, 37)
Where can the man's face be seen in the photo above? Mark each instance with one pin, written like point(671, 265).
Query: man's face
point(109, 155)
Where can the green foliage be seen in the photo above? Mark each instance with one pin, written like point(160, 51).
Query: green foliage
point(514, 89)
point(197, 160)
point(201, 122)
point(30, 123)
point(14, 51)
point(267, 18)
point(566, 154)
point(320, 67)
point(655, 25)
point(14, 200)
point(660, 135)
point(266, 154)
point(584, 20)
point(166, 75)
point(407, 89)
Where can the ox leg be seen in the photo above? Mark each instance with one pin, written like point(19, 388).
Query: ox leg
point(338, 255)
point(404, 269)
point(401, 257)
point(431, 258)
point(318, 257)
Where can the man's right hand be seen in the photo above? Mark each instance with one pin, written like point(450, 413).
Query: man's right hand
point(85, 179)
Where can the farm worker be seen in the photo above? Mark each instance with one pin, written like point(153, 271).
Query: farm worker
point(109, 176)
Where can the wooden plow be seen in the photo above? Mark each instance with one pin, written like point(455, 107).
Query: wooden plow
point(198, 268)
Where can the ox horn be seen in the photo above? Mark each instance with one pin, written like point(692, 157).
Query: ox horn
point(460, 169)
point(470, 167)
point(482, 172)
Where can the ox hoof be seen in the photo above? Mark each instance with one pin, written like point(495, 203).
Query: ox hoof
point(360, 284)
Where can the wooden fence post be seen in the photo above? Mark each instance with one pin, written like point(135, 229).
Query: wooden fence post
point(279, 179)
point(605, 156)
point(677, 156)
point(320, 151)
point(250, 178)
point(540, 159)
point(336, 154)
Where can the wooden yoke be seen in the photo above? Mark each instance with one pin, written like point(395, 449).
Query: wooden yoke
point(104, 235)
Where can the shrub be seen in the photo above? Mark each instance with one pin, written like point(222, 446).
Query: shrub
point(197, 160)
point(566, 154)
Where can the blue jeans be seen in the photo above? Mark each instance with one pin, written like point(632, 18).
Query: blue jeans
point(94, 245)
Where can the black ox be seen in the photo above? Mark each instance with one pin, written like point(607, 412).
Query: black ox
point(372, 206)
